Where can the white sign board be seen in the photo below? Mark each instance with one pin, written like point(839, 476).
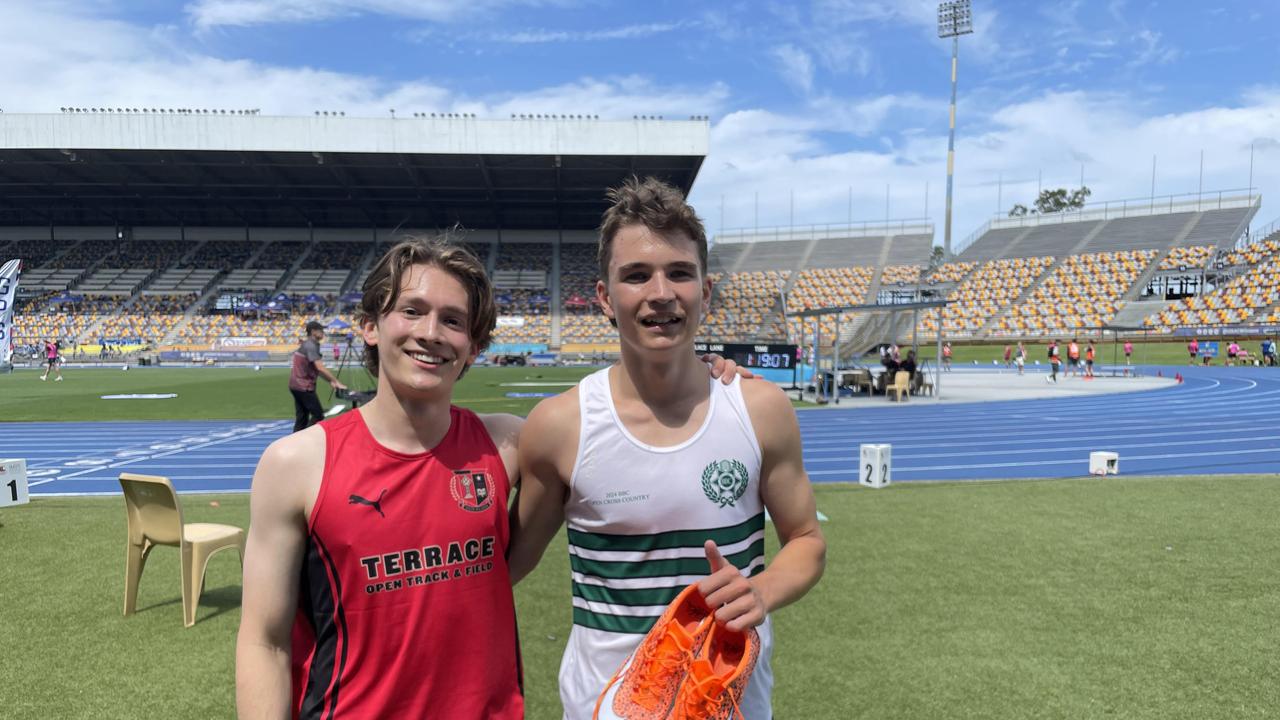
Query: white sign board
point(874, 465)
point(13, 483)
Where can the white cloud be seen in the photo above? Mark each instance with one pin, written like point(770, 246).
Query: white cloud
point(626, 32)
point(1048, 135)
point(796, 67)
point(1151, 50)
point(55, 58)
point(214, 13)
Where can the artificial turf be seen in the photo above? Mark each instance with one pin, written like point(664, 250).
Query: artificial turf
point(1089, 598)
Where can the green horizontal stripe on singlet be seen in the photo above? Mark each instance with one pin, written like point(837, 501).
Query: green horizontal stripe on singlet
point(613, 623)
point(667, 540)
point(634, 596)
point(661, 568)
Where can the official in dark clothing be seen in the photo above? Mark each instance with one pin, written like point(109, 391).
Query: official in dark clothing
point(302, 378)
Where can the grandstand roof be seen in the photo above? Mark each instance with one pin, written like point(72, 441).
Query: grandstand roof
point(145, 169)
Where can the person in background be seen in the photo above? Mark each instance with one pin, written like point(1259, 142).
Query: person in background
point(302, 378)
point(1020, 357)
point(1128, 352)
point(52, 361)
point(946, 356)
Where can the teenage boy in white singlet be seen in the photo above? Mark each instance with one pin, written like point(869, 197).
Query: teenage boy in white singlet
point(663, 476)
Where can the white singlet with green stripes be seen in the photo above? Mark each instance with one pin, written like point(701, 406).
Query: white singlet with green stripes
point(637, 518)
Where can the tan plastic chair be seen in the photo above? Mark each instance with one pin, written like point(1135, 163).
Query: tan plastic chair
point(901, 385)
point(155, 518)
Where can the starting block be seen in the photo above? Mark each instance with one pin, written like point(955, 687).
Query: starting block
point(1104, 463)
point(873, 465)
point(13, 483)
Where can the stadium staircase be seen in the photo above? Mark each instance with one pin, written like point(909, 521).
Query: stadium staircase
point(1135, 291)
point(553, 292)
point(1004, 253)
point(296, 266)
point(66, 250)
point(209, 292)
point(362, 267)
point(1132, 314)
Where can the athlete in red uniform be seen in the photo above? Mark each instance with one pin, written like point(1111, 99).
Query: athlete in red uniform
point(375, 578)
point(375, 573)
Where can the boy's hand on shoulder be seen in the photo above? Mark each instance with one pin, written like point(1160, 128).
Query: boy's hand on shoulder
point(725, 369)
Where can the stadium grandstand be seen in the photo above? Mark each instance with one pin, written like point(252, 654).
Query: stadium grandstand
point(219, 236)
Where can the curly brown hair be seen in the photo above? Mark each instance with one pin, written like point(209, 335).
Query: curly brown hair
point(382, 288)
point(654, 204)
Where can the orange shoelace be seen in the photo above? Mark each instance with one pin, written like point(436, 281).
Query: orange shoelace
point(699, 697)
point(657, 667)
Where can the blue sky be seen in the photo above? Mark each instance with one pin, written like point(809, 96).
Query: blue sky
point(821, 99)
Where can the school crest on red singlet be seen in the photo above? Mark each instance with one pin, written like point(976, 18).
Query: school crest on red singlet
point(471, 489)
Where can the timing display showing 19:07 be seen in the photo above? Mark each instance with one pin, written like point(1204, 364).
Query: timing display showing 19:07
point(752, 355)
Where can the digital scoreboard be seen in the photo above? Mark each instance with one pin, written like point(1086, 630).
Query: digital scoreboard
point(765, 356)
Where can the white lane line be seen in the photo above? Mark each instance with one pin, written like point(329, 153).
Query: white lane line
point(131, 461)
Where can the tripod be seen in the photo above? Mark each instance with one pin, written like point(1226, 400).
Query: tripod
point(347, 357)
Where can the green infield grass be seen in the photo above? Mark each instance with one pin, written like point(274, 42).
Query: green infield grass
point(236, 393)
point(241, 393)
point(1089, 598)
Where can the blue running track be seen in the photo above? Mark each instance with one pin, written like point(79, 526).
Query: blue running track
point(1221, 420)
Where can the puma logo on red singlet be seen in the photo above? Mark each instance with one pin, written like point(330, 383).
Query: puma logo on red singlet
point(375, 504)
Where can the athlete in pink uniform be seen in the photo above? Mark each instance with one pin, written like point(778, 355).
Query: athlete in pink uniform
point(52, 361)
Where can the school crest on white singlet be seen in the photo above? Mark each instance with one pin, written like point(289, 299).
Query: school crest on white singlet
point(725, 481)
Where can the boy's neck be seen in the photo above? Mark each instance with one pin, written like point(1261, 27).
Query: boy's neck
point(670, 380)
point(404, 425)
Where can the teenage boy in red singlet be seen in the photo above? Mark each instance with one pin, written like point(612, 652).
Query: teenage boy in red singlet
point(394, 517)
point(375, 577)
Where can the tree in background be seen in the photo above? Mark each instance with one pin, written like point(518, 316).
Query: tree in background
point(1054, 201)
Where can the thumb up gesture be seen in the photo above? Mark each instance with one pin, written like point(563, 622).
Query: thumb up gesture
point(736, 601)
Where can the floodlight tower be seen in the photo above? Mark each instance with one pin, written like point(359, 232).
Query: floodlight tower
point(954, 19)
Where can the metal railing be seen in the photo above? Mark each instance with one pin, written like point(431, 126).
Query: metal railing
point(1114, 209)
point(909, 226)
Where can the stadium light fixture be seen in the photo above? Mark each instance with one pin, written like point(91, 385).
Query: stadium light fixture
point(955, 18)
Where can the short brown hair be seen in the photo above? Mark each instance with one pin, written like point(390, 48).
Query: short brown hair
point(654, 204)
point(382, 288)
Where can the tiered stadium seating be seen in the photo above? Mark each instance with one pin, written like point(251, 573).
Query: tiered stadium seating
point(115, 281)
point(906, 274)
point(1235, 302)
point(1083, 292)
point(1255, 253)
point(825, 288)
point(524, 307)
point(586, 326)
point(578, 271)
point(222, 254)
point(988, 291)
point(42, 320)
point(33, 253)
point(742, 306)
point(155, 254)
point(181, 281)
point(280, 254)
point(85, 255)
point(1195, 256)
point(951, 272)
point(147, 320)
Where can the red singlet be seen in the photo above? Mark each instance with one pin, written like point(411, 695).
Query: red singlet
point(405, 608)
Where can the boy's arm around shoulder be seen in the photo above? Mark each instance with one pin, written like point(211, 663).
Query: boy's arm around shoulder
point(548, 447)
point(272, 567)
point(788, 496)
